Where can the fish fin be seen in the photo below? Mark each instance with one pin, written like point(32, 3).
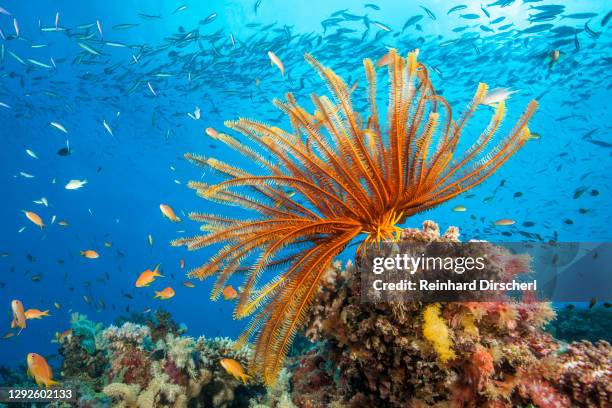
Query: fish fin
point(14, 323)
point(52, 383)
point(157, 295)
point(45, 313)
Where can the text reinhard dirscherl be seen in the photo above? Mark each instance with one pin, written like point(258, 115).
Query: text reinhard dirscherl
point(457, 265)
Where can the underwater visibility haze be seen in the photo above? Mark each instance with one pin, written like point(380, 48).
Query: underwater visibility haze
point(188, 184)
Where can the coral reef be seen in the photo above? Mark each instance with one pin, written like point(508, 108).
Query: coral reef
point(172, 372)
point(331, 178)
point(160, 323)
point(130, 365)
point(586, 373)
point(582, 323)
point(82, 358)
point(470, 354)
point(86, 330)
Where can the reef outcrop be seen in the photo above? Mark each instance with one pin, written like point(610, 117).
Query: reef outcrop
point(470, 354)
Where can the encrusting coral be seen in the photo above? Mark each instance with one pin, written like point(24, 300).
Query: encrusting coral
point(460, 354)
point(334, 176)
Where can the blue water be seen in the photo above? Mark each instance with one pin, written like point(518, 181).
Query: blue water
point(130, 174)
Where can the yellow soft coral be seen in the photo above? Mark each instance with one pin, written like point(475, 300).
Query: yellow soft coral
point(436, 331)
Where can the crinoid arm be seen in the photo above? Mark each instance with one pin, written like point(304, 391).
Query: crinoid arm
point(330, 179)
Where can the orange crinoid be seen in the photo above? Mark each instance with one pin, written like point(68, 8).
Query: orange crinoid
point(333, 177)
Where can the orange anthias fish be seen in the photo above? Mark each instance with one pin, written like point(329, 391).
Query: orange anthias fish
point(234, 368)
point(19, 318)
point(39, 369)
point(35, 314)
point(90, 254)
point(65, 335)
point(148, 276)
point(229, 293)
point(384, 60)
point(505, 222)
point(188, 284)
point(165, 294)
point(168, 212)
point(211, 132)
point(182, 263)
point(35, 218)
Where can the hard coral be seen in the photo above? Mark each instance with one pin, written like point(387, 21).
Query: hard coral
point(380, 354)
point(586, 373)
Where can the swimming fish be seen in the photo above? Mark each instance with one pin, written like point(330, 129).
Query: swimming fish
point(164, 294)
point(196, 113)
point(42, 201)
point(497, 95)
point(151, 89)
point(234, 368)
point(107, 127)
point(148, 276)
point(554, 57)
point(35, 314)
point(460, 208)
point(75, 184)
point(182, 263)
point(61, 337)
point(35, 218)
point(168, 212)
point(39, 369)
point(229, 293)
point(274, 60)
point(456, 8)
point(188, 284)
point(505, 222)
point(31, 154)
point(19, 318)
point(211, 132)
point(58, 126)
point(90, 254)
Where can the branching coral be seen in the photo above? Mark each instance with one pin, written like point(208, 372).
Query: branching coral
point(333, 177)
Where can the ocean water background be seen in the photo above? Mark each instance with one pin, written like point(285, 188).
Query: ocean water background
point(559, 183)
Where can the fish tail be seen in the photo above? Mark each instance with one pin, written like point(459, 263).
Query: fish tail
point(52, 383)
point(157, 295)
point(156, 271)
point(245, 377)
point(45, 313)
